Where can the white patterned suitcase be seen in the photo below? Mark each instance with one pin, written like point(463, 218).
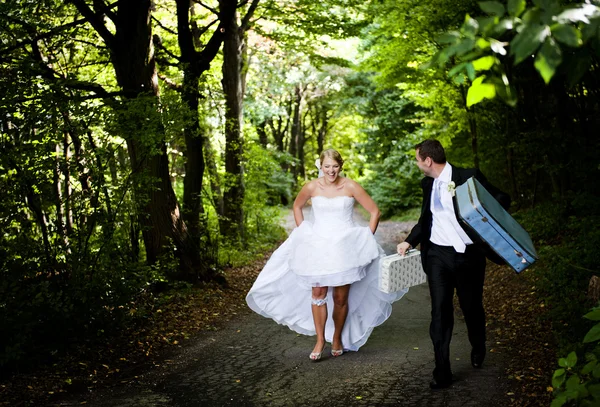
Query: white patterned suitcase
point(398, 272)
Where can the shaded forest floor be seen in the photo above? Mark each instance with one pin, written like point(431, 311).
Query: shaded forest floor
point(516, 328)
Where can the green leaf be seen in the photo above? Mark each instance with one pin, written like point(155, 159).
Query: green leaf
point(470, 26)
point(458, 68)
point(558, 378)
point(493, 7)
point(483, 44)
point(567, 34)
point(562, 362)
point(506, 92)
point(487, 23)
point(588, 31)
point(532, 16)
point(548, 59)
point(572, 383)
point(484, 63)
point(471, 72)
point(593, 315)
point(545, 4)
point(464, 46)
point(528, 41)
point(516, 7)
point(582, 391)
point(459, 79)
point(594, 390)
point(502, 26)
point(559, 401)
point(449, 37)
point(571, 359)
point(587, 369)
point(596, 372)
point(577, 66)
point(479, 91)
point(593, 334)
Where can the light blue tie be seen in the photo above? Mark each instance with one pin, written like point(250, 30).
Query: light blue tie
point(437, 196)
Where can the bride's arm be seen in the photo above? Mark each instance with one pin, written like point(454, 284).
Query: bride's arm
point(303, 196)
point(363, 198)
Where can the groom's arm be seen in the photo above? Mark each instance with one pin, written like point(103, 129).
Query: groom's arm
point(415, 235)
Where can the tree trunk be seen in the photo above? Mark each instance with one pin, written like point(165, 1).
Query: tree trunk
point(214, 179)
point(60, 214)
point(232, 224)
point(301, 143)
point(261, 130)
point(320, 126)
point(295, 132)
point(133, 59)
point(472, 128)
point(194, 140)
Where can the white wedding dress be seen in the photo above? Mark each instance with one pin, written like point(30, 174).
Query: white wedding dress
point(330, 251)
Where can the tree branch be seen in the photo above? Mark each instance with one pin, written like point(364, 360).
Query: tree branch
point(161, 25)
point(158, 44)
point(170, 84)
point(101, 7)
point(246, 20)
point(198, 32)
point(42, 36)
point(212, 10)
point(95, 20)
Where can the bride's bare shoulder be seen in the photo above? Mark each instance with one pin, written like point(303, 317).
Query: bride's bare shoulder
point(312, 185)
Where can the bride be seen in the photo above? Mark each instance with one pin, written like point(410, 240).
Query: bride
point(331, 254)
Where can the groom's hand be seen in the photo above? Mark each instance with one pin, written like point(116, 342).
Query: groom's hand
point(403, 248)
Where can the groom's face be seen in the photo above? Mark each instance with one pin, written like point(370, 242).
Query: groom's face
point(424, 165)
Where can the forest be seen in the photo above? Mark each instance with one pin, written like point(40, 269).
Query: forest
point(147, 145)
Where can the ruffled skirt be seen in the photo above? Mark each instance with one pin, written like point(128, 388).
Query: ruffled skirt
point(311, 257)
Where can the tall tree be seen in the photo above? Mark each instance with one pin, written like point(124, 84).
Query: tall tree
point(234, 71)
point(132, 56)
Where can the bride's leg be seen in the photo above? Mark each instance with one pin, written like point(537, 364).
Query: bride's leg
point(340, 312)
point(319, 312)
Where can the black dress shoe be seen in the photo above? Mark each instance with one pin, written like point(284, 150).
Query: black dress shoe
point(477, 358)
point(436, 384)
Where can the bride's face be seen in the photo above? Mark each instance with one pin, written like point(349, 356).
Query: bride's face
point(331, 169)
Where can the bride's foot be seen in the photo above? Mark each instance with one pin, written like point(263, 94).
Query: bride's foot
point(337, 350)
point(317, 352)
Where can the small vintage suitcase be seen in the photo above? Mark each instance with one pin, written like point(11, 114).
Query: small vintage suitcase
point(479, 211)
point(399, 272)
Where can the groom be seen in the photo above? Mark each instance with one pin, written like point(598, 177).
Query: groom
point(450, 258)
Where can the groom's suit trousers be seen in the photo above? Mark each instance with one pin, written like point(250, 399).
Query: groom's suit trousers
point(447, 271)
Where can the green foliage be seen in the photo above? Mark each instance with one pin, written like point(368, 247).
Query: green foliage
point(266, 187)
point(566, 238)
point(548, 30)
point(394, 183)
point(578, 381)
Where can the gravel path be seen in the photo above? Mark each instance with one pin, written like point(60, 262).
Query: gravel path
point(252, 361)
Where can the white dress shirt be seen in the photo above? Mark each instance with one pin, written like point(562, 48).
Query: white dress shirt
point(445, 229)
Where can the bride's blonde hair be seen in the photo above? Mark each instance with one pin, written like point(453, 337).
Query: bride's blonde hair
point(334, 155)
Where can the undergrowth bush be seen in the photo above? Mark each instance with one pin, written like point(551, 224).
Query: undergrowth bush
point(567, 237)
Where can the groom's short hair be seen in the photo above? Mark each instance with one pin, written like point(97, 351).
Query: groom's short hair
point(433, 149)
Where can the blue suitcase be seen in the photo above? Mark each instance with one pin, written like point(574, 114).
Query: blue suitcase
point(479, 212)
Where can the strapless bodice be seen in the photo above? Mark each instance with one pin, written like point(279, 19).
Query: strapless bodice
point(333, 212)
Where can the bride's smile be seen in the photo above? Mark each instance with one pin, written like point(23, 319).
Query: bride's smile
point(331, 170)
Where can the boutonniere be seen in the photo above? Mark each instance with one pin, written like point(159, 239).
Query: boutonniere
point(452, 188)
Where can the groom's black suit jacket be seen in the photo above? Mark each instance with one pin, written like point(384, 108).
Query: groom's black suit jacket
point(421, 232)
